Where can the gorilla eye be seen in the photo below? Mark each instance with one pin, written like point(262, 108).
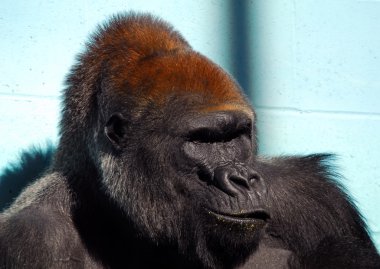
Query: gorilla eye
point(204, 135)
point(215, 135)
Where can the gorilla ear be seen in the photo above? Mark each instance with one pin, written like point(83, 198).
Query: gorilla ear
point(115, 129)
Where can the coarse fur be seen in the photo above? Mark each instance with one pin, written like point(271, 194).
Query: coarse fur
point(31, 165)
point(157, 167)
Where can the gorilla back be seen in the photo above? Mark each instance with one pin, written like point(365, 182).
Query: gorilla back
point(157, 167)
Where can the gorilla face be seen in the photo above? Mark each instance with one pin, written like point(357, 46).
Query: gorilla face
point(182, 170)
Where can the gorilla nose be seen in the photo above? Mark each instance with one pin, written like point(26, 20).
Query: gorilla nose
point(238, 179)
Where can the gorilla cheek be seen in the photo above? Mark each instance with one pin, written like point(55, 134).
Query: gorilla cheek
point(228, 193)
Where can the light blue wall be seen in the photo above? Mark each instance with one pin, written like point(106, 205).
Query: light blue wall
point(316, 82)
point(312, 68)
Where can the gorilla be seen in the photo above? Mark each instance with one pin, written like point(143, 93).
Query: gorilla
point(157, 167)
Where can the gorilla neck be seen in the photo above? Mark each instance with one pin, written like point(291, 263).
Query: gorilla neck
point(114, 239)
point(108, 235)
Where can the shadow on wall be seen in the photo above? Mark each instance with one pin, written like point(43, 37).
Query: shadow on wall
point(241, 67)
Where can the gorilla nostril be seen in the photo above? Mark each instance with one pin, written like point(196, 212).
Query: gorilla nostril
point(205, 175)
point(222, 180)
point(231, 180)
point(240, 181)
point(234, 180)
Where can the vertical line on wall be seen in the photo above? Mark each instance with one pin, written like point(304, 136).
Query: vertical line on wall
point(240, 47)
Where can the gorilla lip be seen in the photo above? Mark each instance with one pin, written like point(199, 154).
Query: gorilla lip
point(251, 216)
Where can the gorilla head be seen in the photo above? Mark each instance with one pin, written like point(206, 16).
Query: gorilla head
point(170, 135)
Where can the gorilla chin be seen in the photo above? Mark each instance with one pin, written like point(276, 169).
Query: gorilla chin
point(239, 229)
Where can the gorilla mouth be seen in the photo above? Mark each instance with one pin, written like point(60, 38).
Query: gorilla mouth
point(255, 216)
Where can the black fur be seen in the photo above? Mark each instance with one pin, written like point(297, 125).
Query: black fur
point(157, 168)
point(29, 167)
